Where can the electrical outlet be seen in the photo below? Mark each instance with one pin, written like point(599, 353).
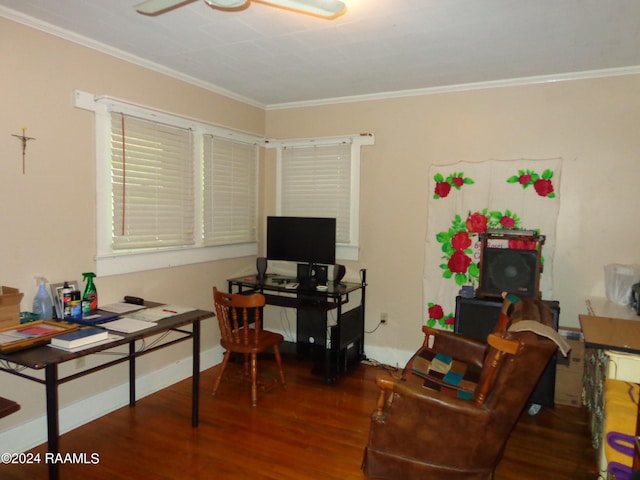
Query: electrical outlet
point(384, 317)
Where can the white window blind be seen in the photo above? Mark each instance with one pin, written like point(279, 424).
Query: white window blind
point(150, 188)
point(316, 182)
point(152, 184)
point(230, 206)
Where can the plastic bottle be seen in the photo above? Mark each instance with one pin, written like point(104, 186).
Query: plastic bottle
point(90, 297)
point(66, 300)
point(42, 305)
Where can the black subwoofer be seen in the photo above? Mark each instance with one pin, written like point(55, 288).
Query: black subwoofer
point(509, 270)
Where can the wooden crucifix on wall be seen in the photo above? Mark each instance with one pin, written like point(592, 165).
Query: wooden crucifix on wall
point(24, 140)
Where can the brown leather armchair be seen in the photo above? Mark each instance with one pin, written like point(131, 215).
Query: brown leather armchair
point(426, 427)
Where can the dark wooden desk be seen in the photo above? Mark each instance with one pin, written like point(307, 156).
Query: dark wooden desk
point(334, 348)
point(7, 407)
point(611, 333)
point(48, 358)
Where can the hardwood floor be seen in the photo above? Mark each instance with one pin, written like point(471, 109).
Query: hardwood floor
point(311, 431)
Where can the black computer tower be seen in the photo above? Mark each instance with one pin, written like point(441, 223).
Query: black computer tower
point(477, 318)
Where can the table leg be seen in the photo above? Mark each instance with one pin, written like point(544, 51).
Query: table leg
point(195, 379)
point(53, 427)
point(132, 374)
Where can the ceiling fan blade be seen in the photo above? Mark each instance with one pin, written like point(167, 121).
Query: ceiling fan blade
point(156, 7)
point(322, 8)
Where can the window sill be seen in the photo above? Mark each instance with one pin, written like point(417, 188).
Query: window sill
point(347, 252)
point(119, 263)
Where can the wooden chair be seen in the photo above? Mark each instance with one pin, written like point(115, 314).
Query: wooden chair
point(239, 318)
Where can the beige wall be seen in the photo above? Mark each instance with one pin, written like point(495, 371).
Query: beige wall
point(48, 215)
point(593, 125)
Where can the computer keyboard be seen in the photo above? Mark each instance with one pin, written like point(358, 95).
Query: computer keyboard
point(282, 279)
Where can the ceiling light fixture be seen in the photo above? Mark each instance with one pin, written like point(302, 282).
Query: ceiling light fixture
point(321, 8)
point(226, 4)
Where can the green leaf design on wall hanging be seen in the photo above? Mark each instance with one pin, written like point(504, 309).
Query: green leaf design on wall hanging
point(455, 180)
point(542, 184)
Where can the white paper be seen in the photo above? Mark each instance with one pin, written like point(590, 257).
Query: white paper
point(121, 307)
point(10, 336)
point(158, 313)
point(127, 325)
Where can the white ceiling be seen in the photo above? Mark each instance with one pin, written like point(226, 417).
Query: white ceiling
point(270, 57)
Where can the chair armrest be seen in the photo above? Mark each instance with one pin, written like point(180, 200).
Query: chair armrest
point(430, 400)
point(503, 344)
point(386, 384)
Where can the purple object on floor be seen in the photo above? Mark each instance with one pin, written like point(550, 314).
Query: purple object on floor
point(621, 442)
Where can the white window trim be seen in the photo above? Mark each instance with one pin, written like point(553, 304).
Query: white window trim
point(343, 251)
point(109, 262)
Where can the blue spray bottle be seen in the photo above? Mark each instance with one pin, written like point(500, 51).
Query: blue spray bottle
point(42, 305)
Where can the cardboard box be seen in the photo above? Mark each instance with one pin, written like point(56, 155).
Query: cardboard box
point(570, 370)
point(10, 299)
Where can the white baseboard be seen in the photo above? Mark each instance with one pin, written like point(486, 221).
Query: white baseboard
point(28, 435)
point(388, 356)
point(33, 433)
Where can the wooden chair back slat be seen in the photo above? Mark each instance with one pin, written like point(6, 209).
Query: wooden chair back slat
point(239, 316)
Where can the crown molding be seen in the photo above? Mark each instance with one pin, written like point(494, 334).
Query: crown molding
point(120, 54)
point(512, 82)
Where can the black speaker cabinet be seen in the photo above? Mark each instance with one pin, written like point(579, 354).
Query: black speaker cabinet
point(509, 270)
point(477, 318)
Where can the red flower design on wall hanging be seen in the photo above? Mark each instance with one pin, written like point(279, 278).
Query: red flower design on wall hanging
point(444, 185)
point(457, 242)
point(542, 184)
point(437, 316)
point(477, 222)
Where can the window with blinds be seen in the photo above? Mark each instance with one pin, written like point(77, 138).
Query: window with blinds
point(152, 174)
point(170, 190)
point(320, 177)
point(230, 204)
point(316, 182)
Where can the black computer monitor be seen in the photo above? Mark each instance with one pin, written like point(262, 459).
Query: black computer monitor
point(308, 240)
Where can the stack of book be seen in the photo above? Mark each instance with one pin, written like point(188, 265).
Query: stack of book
point(79, 338)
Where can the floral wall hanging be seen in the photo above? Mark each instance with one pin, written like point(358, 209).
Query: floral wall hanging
point(466, 199)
